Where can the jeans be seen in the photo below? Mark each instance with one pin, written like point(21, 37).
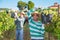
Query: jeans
point(37, 39)
point(19, 34)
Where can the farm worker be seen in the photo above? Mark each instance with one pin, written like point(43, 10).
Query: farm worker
point(36, 27)
point(19, 21)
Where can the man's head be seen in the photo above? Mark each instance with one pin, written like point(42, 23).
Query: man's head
point(35, 16)
point(22, 14)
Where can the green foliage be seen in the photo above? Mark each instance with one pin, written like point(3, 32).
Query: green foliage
point(54, 26)
point(39, 10)
point(6, 24)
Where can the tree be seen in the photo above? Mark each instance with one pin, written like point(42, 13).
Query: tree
point(30, 5)
point(21, 5)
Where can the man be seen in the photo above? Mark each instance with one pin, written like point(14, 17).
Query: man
point(36, 27)
point(19, 21)
point(43, 17)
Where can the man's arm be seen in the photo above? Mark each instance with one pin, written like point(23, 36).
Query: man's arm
point(29, 15)
point(43, 28)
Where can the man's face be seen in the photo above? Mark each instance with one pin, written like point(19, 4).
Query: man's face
point(35, 17)
point(21, 15)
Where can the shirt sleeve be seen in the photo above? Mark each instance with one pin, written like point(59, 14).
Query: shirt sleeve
point(21, 19)
point(29, 15)
point(43, 28)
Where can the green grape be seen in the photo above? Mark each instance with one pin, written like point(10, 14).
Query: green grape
point(0, 24)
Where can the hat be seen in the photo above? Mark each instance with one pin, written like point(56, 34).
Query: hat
point(35, 12)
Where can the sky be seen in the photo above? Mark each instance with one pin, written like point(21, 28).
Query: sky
point(38, 3)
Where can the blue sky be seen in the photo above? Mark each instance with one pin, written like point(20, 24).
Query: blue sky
point(13, 3)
